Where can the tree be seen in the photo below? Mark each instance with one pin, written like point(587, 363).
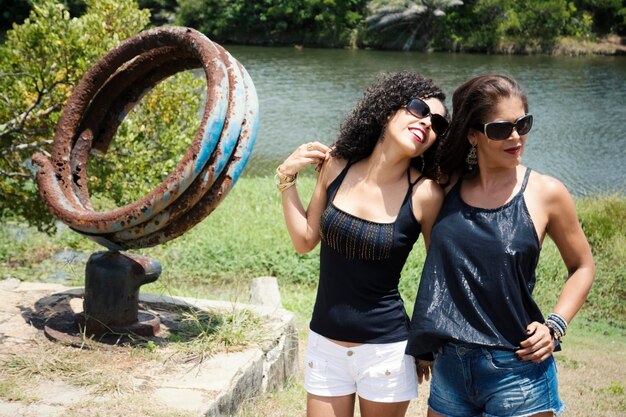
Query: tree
point(161, 11)
point(609, 16)
point(328, 23)
point(15, 11)
point(40, 62)
point(18, 10)
point(408, 18)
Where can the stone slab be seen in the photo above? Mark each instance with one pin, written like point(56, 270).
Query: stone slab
point(215, 387)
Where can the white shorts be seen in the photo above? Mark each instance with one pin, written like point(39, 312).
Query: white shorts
point(376, 372)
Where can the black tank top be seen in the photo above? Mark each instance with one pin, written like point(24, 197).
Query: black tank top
point(360, 263)
point(478, 277)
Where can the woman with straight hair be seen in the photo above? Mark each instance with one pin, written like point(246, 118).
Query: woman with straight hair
point(474, 309)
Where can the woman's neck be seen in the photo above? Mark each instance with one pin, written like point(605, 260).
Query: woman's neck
point(383, 167)
point(490, 179)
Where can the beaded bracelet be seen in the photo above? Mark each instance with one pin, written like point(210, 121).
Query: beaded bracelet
point(557, 325)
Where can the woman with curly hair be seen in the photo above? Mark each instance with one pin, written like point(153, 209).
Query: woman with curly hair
point(372, 198)
point(474, 308)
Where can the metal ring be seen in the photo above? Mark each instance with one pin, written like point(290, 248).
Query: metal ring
point(209, 169)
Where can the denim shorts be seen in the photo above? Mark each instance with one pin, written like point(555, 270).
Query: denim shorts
point(375, 372)
point(472, 381)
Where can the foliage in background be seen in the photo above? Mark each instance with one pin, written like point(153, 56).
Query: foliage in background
point(403, 21)
point(507, 26)
point(512, 25)
point(13, 12)
point(608, 16)
point(500, 26)
point(150, 142)
point(41, 62)
point(161, 11)
point(330, 23)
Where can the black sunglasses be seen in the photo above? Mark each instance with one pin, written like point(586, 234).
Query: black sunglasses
point(418, 108)
point(503, 130)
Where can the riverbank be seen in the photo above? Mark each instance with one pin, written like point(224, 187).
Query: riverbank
point(610, 45)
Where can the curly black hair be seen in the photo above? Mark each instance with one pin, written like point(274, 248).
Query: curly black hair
point(363, 127)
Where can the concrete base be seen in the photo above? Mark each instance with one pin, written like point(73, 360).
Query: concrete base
point(216, 386)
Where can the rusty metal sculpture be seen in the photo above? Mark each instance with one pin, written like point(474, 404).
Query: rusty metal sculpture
point(207, 171)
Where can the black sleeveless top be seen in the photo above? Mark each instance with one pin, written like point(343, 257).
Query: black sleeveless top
point(360, 263)
point(478, 277)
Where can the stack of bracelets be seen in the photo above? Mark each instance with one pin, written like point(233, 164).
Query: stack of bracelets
point(557, 325)
point(284, 181)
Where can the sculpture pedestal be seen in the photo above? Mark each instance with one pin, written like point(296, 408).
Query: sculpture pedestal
point(111, 303)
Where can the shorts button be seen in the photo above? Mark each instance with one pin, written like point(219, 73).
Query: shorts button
point(310, 364)
point(387, 373)
point(349, 353)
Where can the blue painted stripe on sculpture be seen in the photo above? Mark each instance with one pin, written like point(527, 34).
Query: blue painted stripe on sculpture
point(253, 111)
point(246, 148)
point(241, 164)
point(214, 126)
point(231, 135)
point(236, 119)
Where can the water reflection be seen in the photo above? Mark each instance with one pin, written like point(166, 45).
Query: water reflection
point(578, 104)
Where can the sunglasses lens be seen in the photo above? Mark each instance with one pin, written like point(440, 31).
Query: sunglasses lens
point(499, 130)
point(439, 123)
point(418, 108)
point(524, 124)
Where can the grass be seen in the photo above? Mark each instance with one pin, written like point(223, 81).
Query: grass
point(50, 362)
point(245, 237)
point(203, 333)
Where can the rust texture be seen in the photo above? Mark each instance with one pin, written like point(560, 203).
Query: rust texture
point(100, 101)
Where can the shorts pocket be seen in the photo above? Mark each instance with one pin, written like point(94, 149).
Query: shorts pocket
point(508, 361)
point(314, 362)
point(388, 375)
point(315, 375)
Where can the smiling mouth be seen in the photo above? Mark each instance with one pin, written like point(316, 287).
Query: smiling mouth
point(419, 135)
point(513, 150)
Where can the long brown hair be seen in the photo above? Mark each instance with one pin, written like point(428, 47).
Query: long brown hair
point(472, 103)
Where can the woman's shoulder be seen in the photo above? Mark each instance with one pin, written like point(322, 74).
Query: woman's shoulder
point(331, 168)
point(426, 188)
point(550, 189)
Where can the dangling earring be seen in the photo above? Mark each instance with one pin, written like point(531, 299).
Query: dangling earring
point(423, 164)
point(471, 158)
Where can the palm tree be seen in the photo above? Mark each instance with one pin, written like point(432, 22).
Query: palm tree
point(409, 17)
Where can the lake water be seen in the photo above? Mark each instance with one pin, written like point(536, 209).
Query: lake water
point(579, 104)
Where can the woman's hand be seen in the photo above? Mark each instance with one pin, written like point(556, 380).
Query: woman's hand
point(539, 345)
point(312, 153)
point(423, 370)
